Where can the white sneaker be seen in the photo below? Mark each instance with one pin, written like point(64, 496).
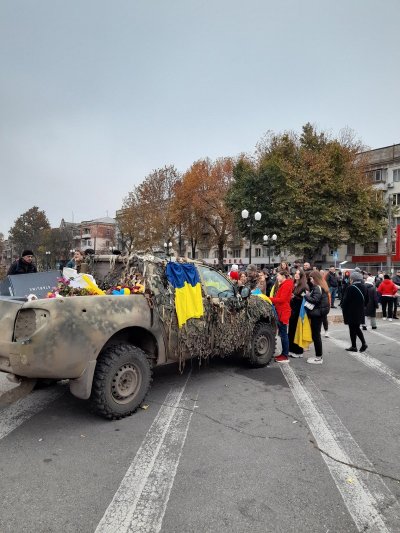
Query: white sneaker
point(295, 355)
point(390, 320)
point(315, 360)
point(326, 334)
point(384, 318)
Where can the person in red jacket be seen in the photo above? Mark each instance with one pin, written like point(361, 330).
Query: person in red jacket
point(388, 291)
point(281, 301)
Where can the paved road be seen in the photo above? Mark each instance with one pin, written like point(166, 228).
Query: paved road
point(222, 448)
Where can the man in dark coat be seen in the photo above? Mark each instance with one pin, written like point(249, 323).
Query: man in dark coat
point(353, 308)
point(23, 265)
point(332, 281)
point(252, 276)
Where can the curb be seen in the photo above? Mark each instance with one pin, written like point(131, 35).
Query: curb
point(338, 319)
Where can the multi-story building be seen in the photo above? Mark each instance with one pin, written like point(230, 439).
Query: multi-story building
point(384, 172)
point(97, 235)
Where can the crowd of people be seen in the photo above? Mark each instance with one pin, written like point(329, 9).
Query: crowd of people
point(357, 292)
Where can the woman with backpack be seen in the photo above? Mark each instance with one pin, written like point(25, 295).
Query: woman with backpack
point(318, 306)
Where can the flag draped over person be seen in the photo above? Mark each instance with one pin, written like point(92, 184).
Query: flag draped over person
point(302, 336)
point(188, 298)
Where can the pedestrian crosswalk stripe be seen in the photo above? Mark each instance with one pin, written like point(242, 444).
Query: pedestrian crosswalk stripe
point(385, 336)
point(367, 494)
point(22, 410)
point(140, 502)
point(371, 362)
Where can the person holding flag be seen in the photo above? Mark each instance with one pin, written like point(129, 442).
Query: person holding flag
point(281, 301)
point(318, 306)
point(299, 291)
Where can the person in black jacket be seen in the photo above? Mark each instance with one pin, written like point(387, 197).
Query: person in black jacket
point(332, 281)
point(319, 307)
point(23, 265)
point(353, 307)
point(299, 290)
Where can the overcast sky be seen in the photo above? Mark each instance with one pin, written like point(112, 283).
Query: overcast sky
point(96, 94)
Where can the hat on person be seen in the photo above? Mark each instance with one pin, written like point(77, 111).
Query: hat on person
point(233, 274)
point(356, 276)
point(26, 252)
point(235, 268)
point(251, 268)
point(371, 280)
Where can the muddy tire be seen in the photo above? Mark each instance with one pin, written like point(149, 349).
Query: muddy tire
point(262, 345)
point(121, 381)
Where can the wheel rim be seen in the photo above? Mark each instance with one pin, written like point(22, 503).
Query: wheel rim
point(125, 384)
point(261, 345)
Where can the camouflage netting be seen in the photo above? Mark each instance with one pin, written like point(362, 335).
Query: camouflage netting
point(228, 322)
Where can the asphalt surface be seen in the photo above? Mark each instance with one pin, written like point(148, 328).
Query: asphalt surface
point(304, 448)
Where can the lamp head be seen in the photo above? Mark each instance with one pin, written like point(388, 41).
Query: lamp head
point(257, 216)
point(245, 213)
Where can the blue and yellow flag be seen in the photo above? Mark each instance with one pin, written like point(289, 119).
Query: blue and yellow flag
point(303, 337)
point(188, 298)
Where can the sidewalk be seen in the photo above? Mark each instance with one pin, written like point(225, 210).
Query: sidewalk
point(335, 315)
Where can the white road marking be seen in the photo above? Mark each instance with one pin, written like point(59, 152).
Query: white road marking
point(363, 494)
point(22, 410)
point(384, 336)
point(140, 502)
point(388, 373)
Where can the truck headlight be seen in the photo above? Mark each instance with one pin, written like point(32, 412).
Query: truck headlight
point(25, 325)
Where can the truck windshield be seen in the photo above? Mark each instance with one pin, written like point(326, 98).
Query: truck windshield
point(215, 285)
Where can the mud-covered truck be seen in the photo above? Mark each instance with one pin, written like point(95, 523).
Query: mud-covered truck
point(107, 346)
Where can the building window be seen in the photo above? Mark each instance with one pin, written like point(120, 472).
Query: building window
point(396, 199)
point(246, 252)
point(86, 230)
point(258, 252)
point(236, 253)
point(225, 253)
point(215, 254)
point(351, 249)
point(371, 248)
point(375, 175)
point(396, 174)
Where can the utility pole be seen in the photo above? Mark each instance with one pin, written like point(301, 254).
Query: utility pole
point(389, 237)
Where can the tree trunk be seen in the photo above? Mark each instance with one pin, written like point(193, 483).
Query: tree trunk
point(221, 254)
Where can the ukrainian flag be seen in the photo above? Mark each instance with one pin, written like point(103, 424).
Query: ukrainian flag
point(188, 298)
point(302, 336)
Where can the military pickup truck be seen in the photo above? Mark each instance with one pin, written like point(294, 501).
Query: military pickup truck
point(107, 346)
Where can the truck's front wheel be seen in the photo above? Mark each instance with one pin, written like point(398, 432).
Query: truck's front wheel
point(121, 380)
point(262, 345)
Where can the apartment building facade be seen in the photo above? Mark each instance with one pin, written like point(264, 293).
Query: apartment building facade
point(98, 235)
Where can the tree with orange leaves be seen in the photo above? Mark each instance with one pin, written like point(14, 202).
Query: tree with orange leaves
point(146, 216)
point(200, 202)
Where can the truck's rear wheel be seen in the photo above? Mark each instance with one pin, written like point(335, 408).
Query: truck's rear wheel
point(121, 380)
point(262, 345)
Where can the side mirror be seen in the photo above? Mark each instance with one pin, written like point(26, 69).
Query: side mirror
point(245, 292)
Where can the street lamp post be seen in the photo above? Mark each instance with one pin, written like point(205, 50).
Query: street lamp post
point(48, 259)
point(167, 248)
point(267, 242)
point(257, 217)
